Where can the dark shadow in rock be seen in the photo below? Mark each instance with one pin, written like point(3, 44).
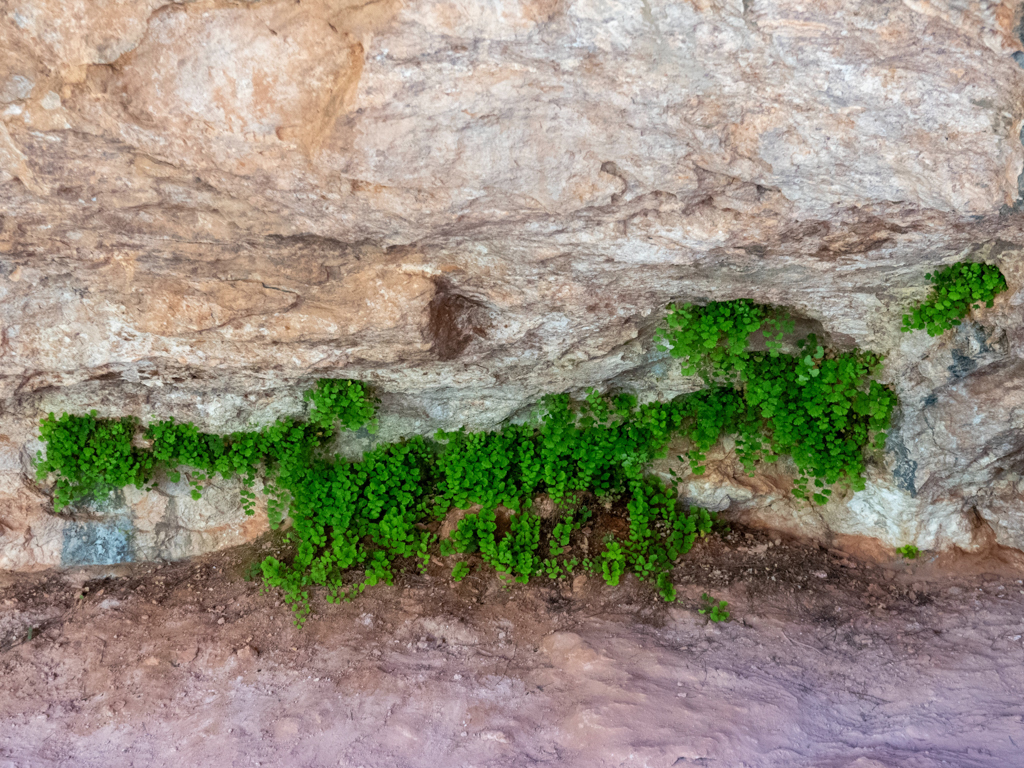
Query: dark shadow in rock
point(453, 321)
point(802, 328)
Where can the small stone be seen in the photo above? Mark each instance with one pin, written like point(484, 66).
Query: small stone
point(499, 736)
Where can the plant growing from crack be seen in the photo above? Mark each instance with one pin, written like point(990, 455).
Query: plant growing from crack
point(956, 290)
point(909, 551)
point(822, 407)
point(716, 610)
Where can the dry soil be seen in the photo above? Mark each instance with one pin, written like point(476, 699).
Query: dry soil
point(827, 661)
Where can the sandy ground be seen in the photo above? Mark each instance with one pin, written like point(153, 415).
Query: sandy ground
point(827, 662)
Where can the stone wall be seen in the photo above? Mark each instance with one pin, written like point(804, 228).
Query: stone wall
point(204, 206)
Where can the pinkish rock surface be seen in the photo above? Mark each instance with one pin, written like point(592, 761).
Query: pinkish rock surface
point(204, 206)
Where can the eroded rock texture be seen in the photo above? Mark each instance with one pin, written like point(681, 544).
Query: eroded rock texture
point(207, 205)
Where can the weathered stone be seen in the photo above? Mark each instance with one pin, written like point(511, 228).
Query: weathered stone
point(204, 206)
point(30, 539)
point(170, 525)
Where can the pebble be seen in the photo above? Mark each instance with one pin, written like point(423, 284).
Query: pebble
point(498, 736)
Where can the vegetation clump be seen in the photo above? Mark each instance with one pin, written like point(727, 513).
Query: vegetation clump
point(716, 610)
point(956, 290)
point(371, 513)
point(90, 456)
point(822, 407)
point(909, 551)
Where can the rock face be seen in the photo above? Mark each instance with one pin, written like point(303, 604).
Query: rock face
point(206, 205)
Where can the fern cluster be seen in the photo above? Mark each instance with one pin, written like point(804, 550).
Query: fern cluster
point(348, 403)
point(819, 406)
point(956, 290)
point(600, 445)
point(372, 513)
point(822, 407)
point(91, 456)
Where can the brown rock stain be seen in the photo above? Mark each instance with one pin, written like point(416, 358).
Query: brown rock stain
point(453, 320)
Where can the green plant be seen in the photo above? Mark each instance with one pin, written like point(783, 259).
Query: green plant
point(342, 400)
point(601, 445)
point(713, 339)
point(364, 516)
point(909, 551)
point(613, 562)
point(563, 530)
point(716, 611)
point(460, 571)
point(353, 522)
point(820, 406)
point(90, 456)
point(560, 569)
point(956, 290)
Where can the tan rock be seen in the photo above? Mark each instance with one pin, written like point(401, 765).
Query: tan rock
point(31, 539)
point(206, 206)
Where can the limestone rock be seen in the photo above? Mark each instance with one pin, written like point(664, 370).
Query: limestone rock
point(30, 539)
point(170, 525)
point(204, 206)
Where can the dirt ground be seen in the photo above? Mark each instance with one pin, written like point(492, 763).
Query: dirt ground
point(828, 662)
